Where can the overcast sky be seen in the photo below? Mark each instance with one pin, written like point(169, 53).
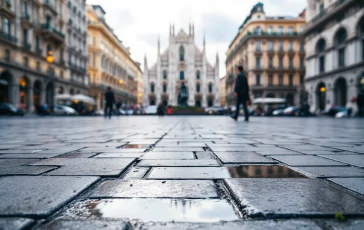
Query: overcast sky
point(139, 22)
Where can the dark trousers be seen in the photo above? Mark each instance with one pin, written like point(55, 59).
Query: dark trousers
point(245, 107)
point(108, 110)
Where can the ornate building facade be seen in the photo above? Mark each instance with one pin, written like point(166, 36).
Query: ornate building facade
point(31, 31)
point(110, 63)
point(335, 52)
point(271, 49)
point(182, 74)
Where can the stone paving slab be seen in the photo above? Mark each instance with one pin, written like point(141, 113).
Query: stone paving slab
point(13, 223)
point(136, 173)
point(83, 225)
point(119, 155)
point(347, 225)
point(357, 160)
point(189, 173)
point(277, 151)
point(307, 160)
point(177, 149)
point(355, 184)
point(19, 167)
point(155, 189)
point(20, 151)
point(151, 209)
point(306, 147)
point(169, 156)
point(178, 163)
point(333, 171)
point(87, 166)
point(243, 158)
point(204, 155)
point(322, 152)
point(234, 225)
point(355, 149)
point(112, 150)
point(293, 197)
point(38, 155)
point(39, 195)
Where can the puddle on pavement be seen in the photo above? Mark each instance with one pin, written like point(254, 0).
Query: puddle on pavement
point(135, 146)
point(195, 210)
point(263, 171)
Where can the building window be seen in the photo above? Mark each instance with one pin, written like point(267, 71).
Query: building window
point(94, 41)
point(270, 30)
point(280, 79)
point(6, 26)
point(198, 88)
point(321, 8)
point(280, 30)
point(38, 66)
point(210, 88)
point(152, 88)
point(258, 31)
point(270, 80)
point(164, 88)
point(26, 62)
point(281, 62)
point(280, 45)
point(291, 62)
point(62, 75)
point(25, 37)
point(290, 47)
point(257, 45)
point(181, 53)
point(198, 75)
point(257, 79)
point(302, 46)
point(257, 61)
point(182, 75)
point(270, 46)
point(290, 30)
point(302, 62)
point(302, 79)
point(25, 9)
point(165, 74)
point(37, 43)
point(320, 50)
point(290, 80)
point(270, 62)
point(340, 39)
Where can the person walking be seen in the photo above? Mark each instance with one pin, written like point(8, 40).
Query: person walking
point(109, 102)
point(160, 109)
point(169, 110)
point(360, 103)
point(241, 92)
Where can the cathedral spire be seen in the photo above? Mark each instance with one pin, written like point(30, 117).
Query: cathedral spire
point(159, 45)
point(145, 62)
point(173, 30)
point(193, 28)
point(204, 43)
point(190, 29)
point(170, 29)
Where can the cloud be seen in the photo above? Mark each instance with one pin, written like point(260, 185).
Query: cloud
point(218, 27)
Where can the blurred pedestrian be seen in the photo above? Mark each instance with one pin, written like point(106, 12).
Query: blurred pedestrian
point(109, 102)
point(241, 92)
point(160, 109)
point(169, 110)
point(360, 103)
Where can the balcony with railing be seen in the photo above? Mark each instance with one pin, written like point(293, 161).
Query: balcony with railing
point(51, 6)
point(27, 46)
point(259, 35)
point(50, 32)
point(7, 9)
point(6, 37)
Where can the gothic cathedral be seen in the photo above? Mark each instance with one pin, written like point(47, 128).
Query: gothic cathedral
point(182, 75)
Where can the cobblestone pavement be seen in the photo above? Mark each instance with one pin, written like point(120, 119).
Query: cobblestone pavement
point(181, 173)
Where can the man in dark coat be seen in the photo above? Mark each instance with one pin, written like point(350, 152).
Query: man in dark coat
point(241, 93)
point(109, 102)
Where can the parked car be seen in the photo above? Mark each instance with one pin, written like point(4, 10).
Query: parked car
point(292, 111)
point(278, 112)
point(64, 110)
point(10, 110)
point(333, 110)
point(214, 111)
point(151, 110)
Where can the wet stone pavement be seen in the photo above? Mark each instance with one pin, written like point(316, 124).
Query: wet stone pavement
point(181, 173)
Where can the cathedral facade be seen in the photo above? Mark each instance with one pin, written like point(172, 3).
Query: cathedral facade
point(182, 75)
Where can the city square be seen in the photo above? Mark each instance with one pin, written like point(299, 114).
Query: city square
point(160, 114)
point(192, 172)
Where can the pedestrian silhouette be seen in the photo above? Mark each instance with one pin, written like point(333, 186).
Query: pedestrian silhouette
point(109, 102)
point(241, 92)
